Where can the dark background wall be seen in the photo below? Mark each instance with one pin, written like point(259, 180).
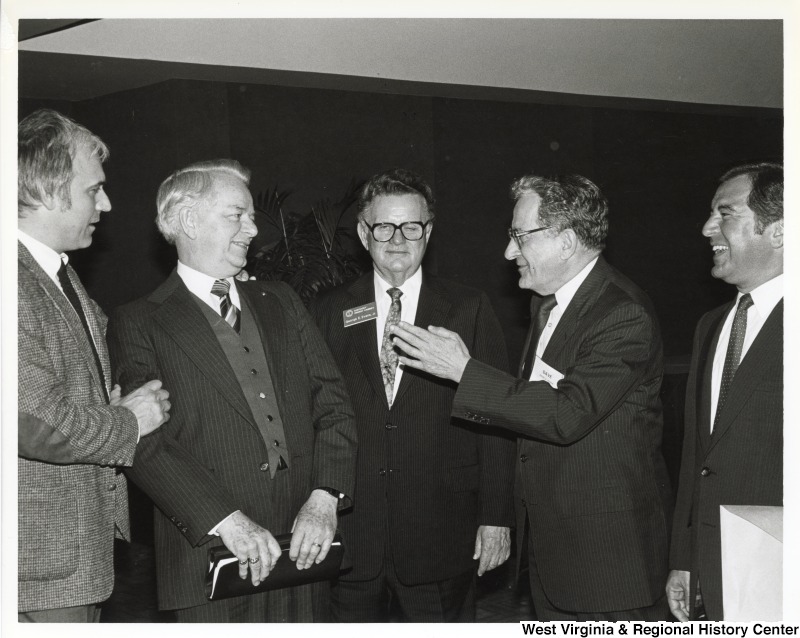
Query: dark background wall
point(657, 163)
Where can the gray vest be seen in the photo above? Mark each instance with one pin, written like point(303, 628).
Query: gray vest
point(245, 353)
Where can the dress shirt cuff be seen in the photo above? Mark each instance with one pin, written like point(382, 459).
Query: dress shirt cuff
point(214, 529)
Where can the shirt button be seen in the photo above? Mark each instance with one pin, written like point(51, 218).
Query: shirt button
point(264, 467)
point(261, 395)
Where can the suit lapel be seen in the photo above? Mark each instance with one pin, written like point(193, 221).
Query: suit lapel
point(759, 357)
point(703, 390)
point(364, 336)
point(179, 316)
point(584, 300)
point(69, 317)
point(432, 310)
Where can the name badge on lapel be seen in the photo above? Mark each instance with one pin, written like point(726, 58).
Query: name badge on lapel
point(359, 314)
point(543, 372)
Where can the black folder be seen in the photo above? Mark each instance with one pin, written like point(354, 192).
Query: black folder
point(222, 579)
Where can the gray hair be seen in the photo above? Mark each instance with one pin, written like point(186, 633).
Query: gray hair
point(569, 201)
point(47, 145)
point(189, 186)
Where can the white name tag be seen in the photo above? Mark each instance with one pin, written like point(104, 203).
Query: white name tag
point(359, 314)
point(544, 372)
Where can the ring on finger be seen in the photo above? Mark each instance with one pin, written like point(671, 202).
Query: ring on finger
point(243, 562)
point(315, 545)
point(253, 561)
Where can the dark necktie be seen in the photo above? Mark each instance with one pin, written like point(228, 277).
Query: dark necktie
point(227, 310)
point(388, 354)
point(538, 322)
point(734, 353)
point(69, 292)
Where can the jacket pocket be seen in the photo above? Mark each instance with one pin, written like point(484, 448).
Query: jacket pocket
point(48, 547)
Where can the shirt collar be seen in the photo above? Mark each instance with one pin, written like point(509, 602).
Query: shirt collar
point(200, 283)
point(766, 296)
point(565, 294)
point(49, 260)
point(410, 287)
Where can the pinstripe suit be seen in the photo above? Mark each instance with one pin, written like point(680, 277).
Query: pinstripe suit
point(590, 472)
point(424, 482)
point(207, 461)
point(743, 460)
point(70, 495)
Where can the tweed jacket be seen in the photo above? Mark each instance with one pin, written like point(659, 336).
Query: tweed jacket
point(424, 481)
point(71, 498)
point(207, 460)
point(741, 463)
point(590, 473)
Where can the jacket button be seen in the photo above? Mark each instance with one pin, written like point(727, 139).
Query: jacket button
point(112, 487)
point(382, 472)
point(705, 472)
point(269, 417)
point(263, 467)
point(246, 349)
point(253, 371)
point(388, 426)
point(523, 458)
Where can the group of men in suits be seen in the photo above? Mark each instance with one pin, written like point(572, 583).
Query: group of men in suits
point(268, 403)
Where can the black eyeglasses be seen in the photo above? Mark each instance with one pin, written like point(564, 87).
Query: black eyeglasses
point(384, 231)
point(517, 235)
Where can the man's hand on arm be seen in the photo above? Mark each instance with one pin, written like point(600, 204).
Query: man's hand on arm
point(437, 351)
point(314, 529)
point(256, 549)
point(677, 589)
point(148, 403)
point(492, 547)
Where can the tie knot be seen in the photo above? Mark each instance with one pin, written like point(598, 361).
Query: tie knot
point(745, 302)
point(394, 293)
point(548, 303)
point(221, 287)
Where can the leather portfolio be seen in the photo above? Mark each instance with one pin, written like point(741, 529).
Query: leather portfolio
point(222, 579)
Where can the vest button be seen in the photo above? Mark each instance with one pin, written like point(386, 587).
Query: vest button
point(264, 467)
point(389, 426)
point(523, 458)
point(382, 472)
point(705, 472)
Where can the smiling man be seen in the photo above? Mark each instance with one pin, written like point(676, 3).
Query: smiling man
point(433, 501)
point(585, 405)
point(262, 439)
point(733, 430)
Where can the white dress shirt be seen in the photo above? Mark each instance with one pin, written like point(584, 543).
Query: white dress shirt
point(564, 296)
point(199, 284)
point(765, 298)
point(408, 309)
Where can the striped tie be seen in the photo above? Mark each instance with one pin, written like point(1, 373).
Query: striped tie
point(227, 310)
point(733, 354)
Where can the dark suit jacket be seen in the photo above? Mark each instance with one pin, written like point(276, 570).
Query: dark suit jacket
point(431, 480)
point(742, 462)
point(204, 463)
point(590, 471)
point(70, 495)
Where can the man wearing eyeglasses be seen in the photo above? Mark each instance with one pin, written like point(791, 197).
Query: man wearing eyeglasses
point(593, 484)
point(433, 498)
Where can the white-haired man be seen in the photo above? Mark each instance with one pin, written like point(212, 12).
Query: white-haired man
point(262, 439)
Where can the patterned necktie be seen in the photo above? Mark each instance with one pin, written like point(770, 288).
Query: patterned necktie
point(388, 354)
point(734, 353)
point(227, 310)
point(537, 327)
point(69, 292)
